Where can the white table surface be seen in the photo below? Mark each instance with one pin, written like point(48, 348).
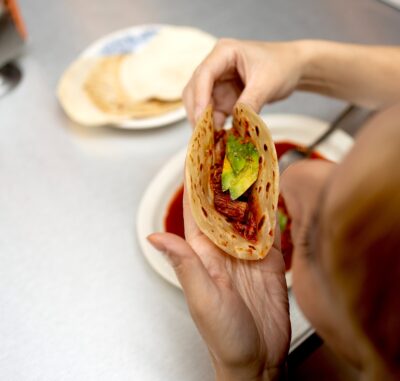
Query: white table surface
point(77, 299)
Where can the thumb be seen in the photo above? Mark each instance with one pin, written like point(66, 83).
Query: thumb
point(189, 269)
point(254, 96)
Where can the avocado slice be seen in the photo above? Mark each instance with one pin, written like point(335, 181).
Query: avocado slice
point(228, 176)
point(240, 169)
point(236, 153)
point(283, 220)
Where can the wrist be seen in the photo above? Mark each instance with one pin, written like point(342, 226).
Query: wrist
point(324, 67)
point(248, 374)
point(307, 53)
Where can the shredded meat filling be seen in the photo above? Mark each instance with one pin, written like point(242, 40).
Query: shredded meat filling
point(247, 230)
point(233, 209)
point(238, 212)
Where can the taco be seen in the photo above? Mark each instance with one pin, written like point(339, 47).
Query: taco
point(232, 181)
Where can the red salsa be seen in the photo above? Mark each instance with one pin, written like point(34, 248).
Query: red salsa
point(286, 237)
point(174, 217)
point(282, 147)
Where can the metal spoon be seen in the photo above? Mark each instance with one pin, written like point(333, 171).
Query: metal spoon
point(293, 155)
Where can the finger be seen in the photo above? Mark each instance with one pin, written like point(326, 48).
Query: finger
point(189, 269)
point(221, 110)
point(219, 62)
point(211, 256)
point(187, 97)
point(191, 228)
point(225, 94)
point(219, 119)
point(273, 262)
point(202, 88)
point(253, 95)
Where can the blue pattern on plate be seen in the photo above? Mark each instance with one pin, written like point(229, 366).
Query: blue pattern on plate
point(129, 43)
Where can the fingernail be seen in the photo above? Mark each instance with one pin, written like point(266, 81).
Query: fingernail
point(160, 247)
point(156, 243)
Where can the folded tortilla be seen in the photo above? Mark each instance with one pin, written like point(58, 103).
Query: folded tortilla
point(91, 94)
point(263, 194)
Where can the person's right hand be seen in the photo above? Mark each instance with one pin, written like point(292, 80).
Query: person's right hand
point(251, 72)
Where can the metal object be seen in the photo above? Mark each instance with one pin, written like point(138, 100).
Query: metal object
point(294, 155)
point(11, 46)
point(392, 3)
point(10, 76)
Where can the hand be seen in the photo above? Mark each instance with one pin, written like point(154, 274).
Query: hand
point(240, 307)
point(251, 72)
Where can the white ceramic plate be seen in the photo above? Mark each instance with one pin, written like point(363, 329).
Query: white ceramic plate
point(126, 41)
point(153, 206)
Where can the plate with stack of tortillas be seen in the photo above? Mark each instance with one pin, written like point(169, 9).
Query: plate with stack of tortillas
point(133, 78)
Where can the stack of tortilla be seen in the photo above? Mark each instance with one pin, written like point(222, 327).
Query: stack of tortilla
point(110, 89)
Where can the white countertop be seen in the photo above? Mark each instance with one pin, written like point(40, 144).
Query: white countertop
point(77, 299)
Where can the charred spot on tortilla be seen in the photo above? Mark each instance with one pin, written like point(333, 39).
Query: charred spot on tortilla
point(231, 171)
point(261, 222)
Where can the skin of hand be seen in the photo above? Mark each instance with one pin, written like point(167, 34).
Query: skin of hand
point(248, 71)
point(257, 73)
point(240, 307)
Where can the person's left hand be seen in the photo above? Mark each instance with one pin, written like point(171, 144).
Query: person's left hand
point(240, 307)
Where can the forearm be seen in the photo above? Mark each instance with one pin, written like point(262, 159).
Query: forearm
point(365, 75)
